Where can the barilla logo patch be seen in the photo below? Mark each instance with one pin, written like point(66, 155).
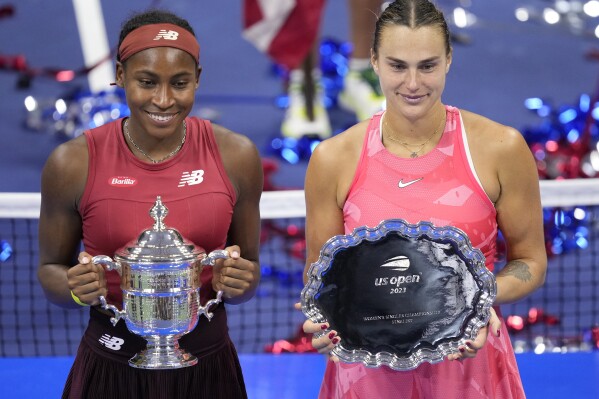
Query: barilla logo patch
point(122, 181)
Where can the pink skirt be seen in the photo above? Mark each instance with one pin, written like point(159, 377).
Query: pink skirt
point(492, 374)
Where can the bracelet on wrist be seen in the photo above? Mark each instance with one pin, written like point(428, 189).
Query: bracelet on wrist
point(77, 300)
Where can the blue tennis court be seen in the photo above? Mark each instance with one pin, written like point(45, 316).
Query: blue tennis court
point(573, 375)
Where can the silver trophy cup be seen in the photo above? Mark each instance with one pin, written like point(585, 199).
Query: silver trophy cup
point(160, 280)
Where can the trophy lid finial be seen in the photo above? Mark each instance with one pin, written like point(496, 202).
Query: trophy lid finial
point(160, 244)
point(158, 213)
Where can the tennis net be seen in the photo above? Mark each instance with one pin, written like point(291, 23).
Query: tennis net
point(561, 316)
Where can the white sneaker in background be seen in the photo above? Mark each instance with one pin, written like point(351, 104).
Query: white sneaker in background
point(361, 94)
point(296, 123)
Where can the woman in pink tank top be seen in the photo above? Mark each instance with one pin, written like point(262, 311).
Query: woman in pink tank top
point(421, 160)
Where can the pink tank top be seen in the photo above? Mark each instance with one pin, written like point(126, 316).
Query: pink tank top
point(440, 187)
point(121, 189)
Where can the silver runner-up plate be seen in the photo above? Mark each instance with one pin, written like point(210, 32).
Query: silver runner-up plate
point(400, 294)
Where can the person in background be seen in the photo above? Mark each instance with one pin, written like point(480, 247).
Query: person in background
point(423, 160)
point(98, 188)
point(361, 95)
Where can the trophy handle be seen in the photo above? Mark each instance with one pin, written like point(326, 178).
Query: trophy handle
point(110, 265)
point(213, 256)
point(209, 261)
point(204, 309)
point(108, 262)
point(119, 314)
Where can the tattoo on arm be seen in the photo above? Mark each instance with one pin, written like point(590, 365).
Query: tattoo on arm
point(518, 269)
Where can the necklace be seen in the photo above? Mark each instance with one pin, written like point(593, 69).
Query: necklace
point(420, 147)
point(167, 156)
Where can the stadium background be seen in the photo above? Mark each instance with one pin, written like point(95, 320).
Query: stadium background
point(503, 63)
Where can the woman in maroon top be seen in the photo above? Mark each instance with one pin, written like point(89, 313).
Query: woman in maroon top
point(99, 188)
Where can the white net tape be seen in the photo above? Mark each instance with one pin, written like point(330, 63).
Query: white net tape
point(291, 203)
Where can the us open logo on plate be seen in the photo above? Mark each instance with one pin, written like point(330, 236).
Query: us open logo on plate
point(400, 263)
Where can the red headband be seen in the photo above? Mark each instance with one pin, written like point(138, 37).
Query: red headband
point(159, 35)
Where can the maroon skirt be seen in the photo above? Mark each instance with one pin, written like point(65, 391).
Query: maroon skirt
point(101, 369)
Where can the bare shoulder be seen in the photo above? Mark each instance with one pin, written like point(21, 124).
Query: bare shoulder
point(499, 153)
point(66, 169)
point(342, 150)
point(229, 140)
point(240, 157)
point(69, 153)
point(488, 138)
point(333, 165)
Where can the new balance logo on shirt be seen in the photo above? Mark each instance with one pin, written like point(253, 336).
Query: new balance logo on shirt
point(167, 35)
point(187, 179)
point(191, 178)
point(113, 343)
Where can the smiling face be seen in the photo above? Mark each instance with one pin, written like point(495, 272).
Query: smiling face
point(412, 64)
point(160, 85)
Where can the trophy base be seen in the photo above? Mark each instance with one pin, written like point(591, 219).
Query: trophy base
point(162, 353)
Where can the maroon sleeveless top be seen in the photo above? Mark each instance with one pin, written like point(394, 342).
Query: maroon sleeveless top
point(121, 189)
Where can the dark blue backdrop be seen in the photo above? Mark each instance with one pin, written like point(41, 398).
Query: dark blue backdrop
point(506, 62)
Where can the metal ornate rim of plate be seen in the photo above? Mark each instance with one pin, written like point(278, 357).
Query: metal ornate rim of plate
point(485, 280)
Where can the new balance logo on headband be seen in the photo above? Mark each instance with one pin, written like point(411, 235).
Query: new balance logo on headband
point(167, 35)
point(159, 35)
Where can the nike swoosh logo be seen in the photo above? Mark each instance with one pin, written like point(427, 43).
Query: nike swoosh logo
point(401, 184)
